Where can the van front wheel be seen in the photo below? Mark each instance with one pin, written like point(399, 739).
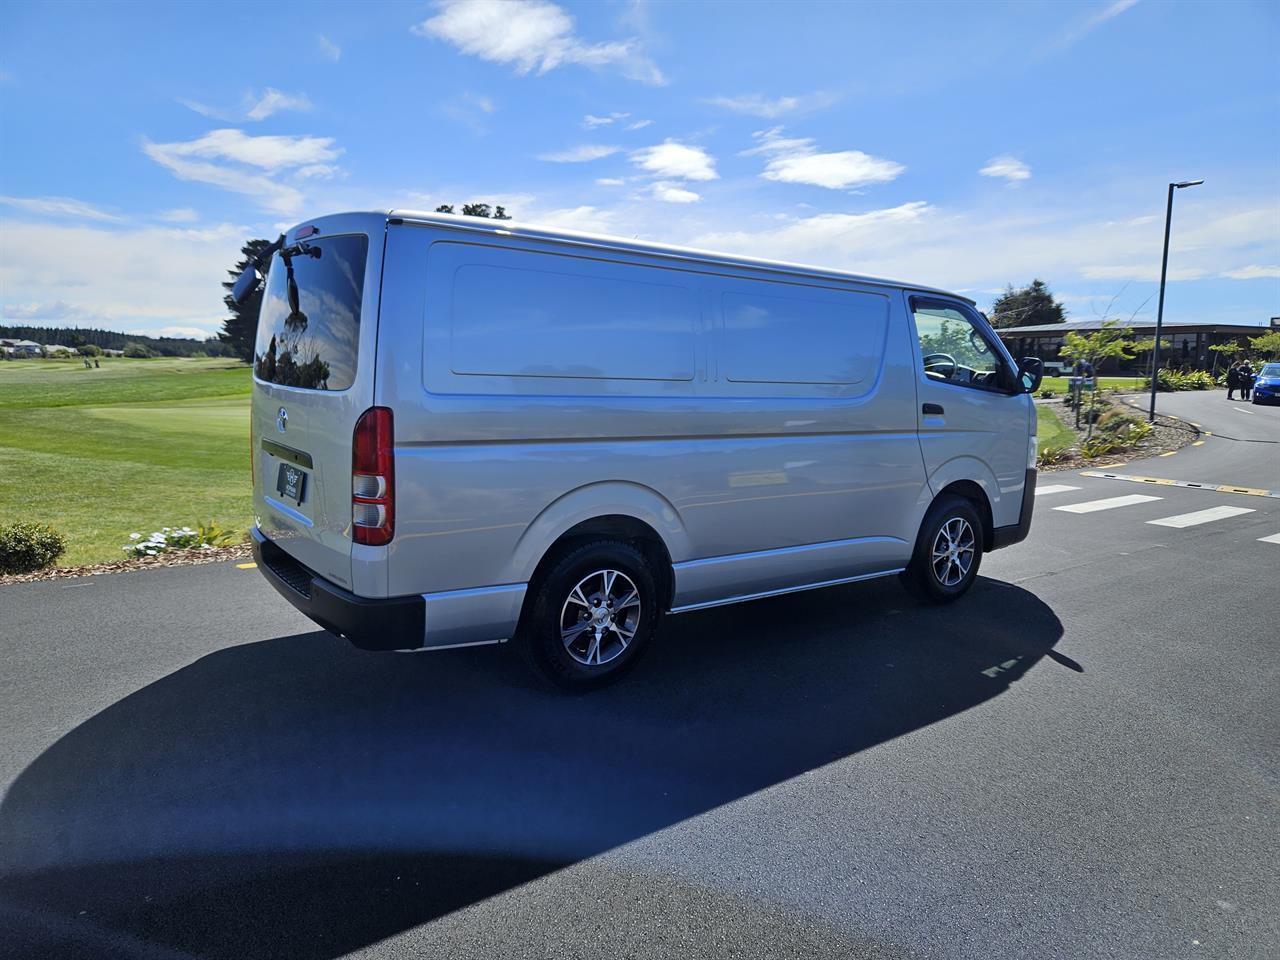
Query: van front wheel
point(592, 615)
point(948, 552)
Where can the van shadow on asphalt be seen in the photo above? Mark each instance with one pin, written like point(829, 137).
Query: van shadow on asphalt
point(296, 797)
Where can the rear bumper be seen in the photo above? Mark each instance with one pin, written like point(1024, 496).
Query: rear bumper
point(1017, 532)
point(397, 623)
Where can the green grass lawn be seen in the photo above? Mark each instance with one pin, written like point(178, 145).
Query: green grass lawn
point(129, 448)
point(1052, 433)
point(1060, 386)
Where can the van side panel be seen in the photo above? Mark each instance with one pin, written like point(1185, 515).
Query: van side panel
point(765, 428)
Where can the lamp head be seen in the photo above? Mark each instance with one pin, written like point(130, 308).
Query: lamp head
point(1188, 183)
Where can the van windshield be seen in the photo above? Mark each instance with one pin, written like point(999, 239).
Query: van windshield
point(309, 325)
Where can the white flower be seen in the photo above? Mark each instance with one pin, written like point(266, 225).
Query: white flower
point(135, 536)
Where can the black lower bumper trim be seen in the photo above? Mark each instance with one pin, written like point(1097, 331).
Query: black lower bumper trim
point(396, 623)
point(1017, 532)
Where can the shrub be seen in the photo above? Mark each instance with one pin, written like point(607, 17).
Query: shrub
point(137, 351)
point(27, 546)
point(1116, 420)
point(1099, 446)
point(206, 536)
point(89, 350)
point(1046, 394)
point(1051, 455)
point(1173, 380)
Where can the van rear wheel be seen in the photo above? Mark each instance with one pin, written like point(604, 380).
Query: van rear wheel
point(592, 615)
point(948, 552)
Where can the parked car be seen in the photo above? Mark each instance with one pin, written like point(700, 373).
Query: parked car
point(1266, 388)
point(1056, 368)
point(468, 432)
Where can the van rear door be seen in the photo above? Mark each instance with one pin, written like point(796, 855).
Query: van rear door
point(313, 374)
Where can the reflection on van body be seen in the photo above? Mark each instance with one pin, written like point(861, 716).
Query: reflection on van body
point(509, 409)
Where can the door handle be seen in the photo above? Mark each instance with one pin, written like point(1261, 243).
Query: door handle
point(932, 409)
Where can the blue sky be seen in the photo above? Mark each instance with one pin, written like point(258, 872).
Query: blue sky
point(960, 145)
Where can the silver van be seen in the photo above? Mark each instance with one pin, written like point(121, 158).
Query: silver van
point(468, 431)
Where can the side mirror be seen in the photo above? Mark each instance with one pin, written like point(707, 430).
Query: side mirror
point(245, 284)
point(1030, 373)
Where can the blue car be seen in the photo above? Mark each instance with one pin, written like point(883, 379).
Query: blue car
point(1266, 389)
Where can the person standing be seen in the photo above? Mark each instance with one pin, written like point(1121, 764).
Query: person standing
point(1246, 380)
point(1233, 380)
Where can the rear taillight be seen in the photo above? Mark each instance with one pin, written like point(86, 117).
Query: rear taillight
point(373, 481)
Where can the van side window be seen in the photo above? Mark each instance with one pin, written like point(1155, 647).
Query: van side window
point(953, 349)
point(775, 333)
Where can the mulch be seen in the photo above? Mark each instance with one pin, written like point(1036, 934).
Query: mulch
point(177, 558)
point(1168, 433)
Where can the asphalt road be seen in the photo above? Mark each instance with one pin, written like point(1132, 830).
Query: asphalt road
point(1078, 760)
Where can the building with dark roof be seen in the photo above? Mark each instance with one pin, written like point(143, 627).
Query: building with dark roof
point(1188, 342)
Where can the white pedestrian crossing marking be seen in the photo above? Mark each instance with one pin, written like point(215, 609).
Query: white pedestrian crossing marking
point(1274, 538)
point(1201, 516)
point(1110, 503)
point(1054, 488)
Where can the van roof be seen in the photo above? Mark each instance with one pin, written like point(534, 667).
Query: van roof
point(600, 240)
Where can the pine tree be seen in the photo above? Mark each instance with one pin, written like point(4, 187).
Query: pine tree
point(1027, 307)
point(240, 329)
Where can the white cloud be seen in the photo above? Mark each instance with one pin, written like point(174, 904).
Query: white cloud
point(673, 193)
point(1253, 272)
point(756, 105)
point(796, 160)
point(273, 101)
point(610, 182)
point(530, 35)
point(271, 153)
point(196, 333)
point(839, 240)
point(59, 207)
point(318, 171)
point(1077, 32)
point(480, 102)
point(591, 122)
point(676, 161)
point(206, 159)
point(204, 109)
point(585, 218)
point(178, 215)
point(328, 49)
point(1010, 168)
point(639, 124)
point(580, 154)
point(147, 277)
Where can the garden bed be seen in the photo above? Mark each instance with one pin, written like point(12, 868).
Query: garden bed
point(1167, 434)
point(239, 551)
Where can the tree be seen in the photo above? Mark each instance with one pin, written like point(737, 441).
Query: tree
point(1268, 343)
point(1111, 341)
point(89, 350)
point(240, 329)
point(498, 212)
point(1026, 306)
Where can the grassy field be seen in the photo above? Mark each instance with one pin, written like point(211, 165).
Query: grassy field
point(1052, 433)
point(1060, 386)
point(128, 448)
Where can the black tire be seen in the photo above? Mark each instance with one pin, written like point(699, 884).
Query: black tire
point(541, 639)
point(923, 578)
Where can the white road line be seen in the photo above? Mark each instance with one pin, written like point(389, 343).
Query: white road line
point(1274, 538)
point(1243, 410)
point(1110, 503)
point(1201, 516)
point(1054, 488)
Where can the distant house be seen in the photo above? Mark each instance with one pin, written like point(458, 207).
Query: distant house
point(107, 352)
point(52, 347)
point(20, 348)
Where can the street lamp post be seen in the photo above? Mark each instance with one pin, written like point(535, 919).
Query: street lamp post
point(1164, 270)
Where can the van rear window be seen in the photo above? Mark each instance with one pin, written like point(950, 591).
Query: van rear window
point(309, 325)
